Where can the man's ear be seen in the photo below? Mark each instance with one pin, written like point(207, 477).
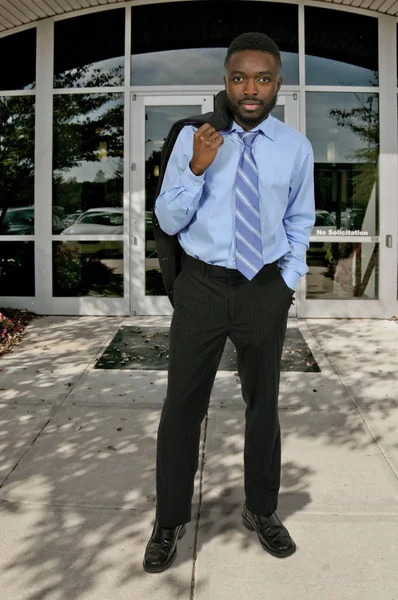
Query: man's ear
point(225, 82)
point(279, 83)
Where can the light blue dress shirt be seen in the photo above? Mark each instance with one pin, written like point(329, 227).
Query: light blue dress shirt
point(201, 209)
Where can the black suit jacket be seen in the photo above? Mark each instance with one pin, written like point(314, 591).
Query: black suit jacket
point(168, 247)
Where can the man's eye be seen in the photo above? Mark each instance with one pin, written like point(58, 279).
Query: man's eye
point(265, 79)
point(237, 78)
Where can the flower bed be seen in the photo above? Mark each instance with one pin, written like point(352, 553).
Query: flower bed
point(12, 326)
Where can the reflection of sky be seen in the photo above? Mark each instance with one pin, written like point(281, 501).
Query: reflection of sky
point(194, 66)
point(86, 171)
point(324, 71)
point(158, 121)
point(205, 66)
point(333, 143)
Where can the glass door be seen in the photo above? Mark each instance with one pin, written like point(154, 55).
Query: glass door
point(152, 117)
point(348, 270)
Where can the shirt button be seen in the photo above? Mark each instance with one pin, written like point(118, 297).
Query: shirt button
point(234, 260)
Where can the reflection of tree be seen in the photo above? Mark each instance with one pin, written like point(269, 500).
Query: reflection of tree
point(99, 177)
point(17, 117)
point(363, 122)
point(88, 76)
point(87, 127)
point(76, 274)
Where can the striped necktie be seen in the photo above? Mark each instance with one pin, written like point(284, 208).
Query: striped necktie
point(249, 249)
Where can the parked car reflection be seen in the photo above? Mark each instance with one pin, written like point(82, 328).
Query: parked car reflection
point(21, 221)
point(72, 218)
point(96, 221)
point(323, 217)
point(350, 218)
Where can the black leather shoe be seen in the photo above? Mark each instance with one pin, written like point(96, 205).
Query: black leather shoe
point(273, 536)
point(161, 549)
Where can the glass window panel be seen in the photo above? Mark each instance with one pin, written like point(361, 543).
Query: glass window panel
point(17, 119)
point(344, 131)
point(89, 50)
point(343, 270)
point(88, 269)
point(17, 269)
point(88, 161)
point(18, 60)
point(192, 51)
point(341, 48)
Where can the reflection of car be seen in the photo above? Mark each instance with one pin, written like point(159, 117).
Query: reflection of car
point(71, 219)
point(58, 225)
point(323, 217)
point(21, 221)
point(357, 215)
point(346, 220)
point(97, 220)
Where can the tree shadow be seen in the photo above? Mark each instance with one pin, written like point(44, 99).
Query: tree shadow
point(78, 479)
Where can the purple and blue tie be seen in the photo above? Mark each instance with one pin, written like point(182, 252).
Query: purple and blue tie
point(249, 249)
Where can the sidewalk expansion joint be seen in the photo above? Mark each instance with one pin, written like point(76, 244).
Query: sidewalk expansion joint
point(196, 537)
point(24, 453)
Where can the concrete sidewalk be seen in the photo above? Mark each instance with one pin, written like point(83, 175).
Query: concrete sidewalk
point(77, 495)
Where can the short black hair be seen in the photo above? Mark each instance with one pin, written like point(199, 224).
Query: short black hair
point(253, 40)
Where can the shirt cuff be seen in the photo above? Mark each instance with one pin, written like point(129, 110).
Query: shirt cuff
point(291, 278)
point(191, 181)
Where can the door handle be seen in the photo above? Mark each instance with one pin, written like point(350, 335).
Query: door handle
point(388, 240)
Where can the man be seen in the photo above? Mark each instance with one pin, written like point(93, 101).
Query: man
point(242, 204)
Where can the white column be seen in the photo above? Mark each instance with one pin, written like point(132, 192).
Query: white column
point(43, 165)
point(388, 187)
point(127, 164)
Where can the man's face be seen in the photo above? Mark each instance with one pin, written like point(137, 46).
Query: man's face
point(252, 81)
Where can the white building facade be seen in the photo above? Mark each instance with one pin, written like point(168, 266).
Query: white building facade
point(88, 91)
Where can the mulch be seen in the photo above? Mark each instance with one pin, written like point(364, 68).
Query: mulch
point(145, 348)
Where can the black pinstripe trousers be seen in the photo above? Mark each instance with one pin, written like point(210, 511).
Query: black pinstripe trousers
point(211, 304)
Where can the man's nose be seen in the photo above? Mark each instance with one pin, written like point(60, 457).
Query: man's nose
point(251, 88)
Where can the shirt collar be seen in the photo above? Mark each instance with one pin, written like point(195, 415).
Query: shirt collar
point(267, 127)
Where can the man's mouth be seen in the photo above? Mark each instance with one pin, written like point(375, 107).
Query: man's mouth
point(250, 104)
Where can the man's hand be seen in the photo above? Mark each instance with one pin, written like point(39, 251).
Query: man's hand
point(206, 143)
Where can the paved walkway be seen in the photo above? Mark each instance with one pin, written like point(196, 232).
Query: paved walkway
point(77, 448)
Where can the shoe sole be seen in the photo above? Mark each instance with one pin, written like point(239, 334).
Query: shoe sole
point(248, 524)
point(169, 562)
